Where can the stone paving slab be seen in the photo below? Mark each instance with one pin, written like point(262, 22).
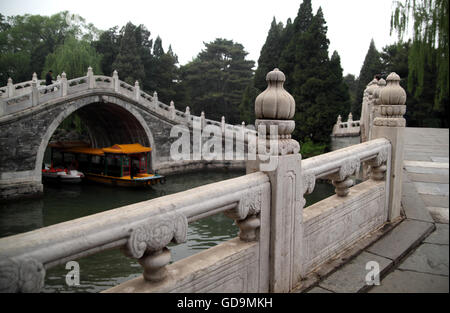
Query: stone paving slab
point(440, 159)
point(319, 290)
point(351, 277)
point(413, 204)
point(435, 201)
point(412, 282)
point(401, 239)
point(427, 170)
point(439, 236)
point(439, 215)
point(428, 258)
point(434, 189)
point(429, 178)
point(425, 164)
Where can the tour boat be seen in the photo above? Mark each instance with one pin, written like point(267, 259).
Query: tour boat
point(126, 165)
point(62, 175)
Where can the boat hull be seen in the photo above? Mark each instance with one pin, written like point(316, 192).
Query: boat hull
point(124, 182)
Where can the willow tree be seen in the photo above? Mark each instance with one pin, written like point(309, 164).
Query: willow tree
point(429, 19)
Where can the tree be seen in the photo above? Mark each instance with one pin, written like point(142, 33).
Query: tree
point(128, 62)
point(320, 91)
point(270, 54)
point(350, 81)
point(421, 111)
point(108, 45)
point(247, 106)
point(165, 72)
point(429, 46)
point(216, 79)
point(26, 40)
point(371, 67)
point(73, 57)
point(293, 35)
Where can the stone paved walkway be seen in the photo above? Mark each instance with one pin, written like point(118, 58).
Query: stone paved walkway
point(414, 256)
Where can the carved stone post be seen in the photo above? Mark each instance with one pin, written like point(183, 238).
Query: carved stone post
point(172, 110)
point(10, 88)
point(90, 78)
point(187, 113)
point(137, 91)
point(376, 104)
point(222, 124)
point(34, 91)
point(202, 119)
point(391, 125)
point(155, 99)
point(115, 81)
point(274, 110)
point(63, 84)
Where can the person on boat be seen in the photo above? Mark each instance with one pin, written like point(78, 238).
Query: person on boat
point(134, 170)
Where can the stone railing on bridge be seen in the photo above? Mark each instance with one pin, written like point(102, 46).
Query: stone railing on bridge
point(346, 129)
point(32, 94)
point(280, 241)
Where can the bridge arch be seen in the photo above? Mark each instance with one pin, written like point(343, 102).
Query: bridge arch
point(125, 125)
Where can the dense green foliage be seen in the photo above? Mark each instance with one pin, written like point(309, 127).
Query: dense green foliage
point(26, 40)
point(312, 77)
point(216, 79)
point(421, 110)
point(429, 48)
point(370, 67)
point(73, 57)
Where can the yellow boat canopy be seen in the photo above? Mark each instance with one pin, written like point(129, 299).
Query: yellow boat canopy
point(127, 149)
point(85, 150)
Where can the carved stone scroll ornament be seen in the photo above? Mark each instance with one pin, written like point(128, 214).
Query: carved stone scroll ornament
point(21, 275)
point(157, 233)
point(309, 182)
point(341, 180)
point(378, 164)
point(148, 243)
point(246, 214)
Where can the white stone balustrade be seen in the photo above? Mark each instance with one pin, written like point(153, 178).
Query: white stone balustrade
point(19, 97)
point(280, 241)
point(346, 129)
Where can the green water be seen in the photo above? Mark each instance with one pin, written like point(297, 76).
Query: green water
point(109, 268)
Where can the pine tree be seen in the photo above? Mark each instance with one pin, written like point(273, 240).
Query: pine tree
point(216, 79)
point(128, 62)
point(270, 54)
point(371, 67)
point(294, 33)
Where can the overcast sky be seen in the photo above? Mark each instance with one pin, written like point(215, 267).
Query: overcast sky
point(186, 24)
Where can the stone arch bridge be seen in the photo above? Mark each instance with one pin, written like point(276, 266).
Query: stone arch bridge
point(112, 110)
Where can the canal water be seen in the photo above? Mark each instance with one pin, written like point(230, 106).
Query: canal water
point(108, 268)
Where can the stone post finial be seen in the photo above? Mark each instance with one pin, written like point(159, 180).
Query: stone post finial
point(339, 120)
point(137, 91)
point(10, 88)
point(115, 81)
point(34, 77)
point(392, 103)
point(275, 102)
point(90, 78)
point(58, 78)
point(172, 109)
point(222, 124)
point(188, 110)
point(274, 110)
point(63, 84)
point(350, 117)
point(155, 97)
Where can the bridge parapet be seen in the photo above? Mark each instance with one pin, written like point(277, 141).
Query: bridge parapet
point(346, 129)
point(280, 240)
point(20, 97)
